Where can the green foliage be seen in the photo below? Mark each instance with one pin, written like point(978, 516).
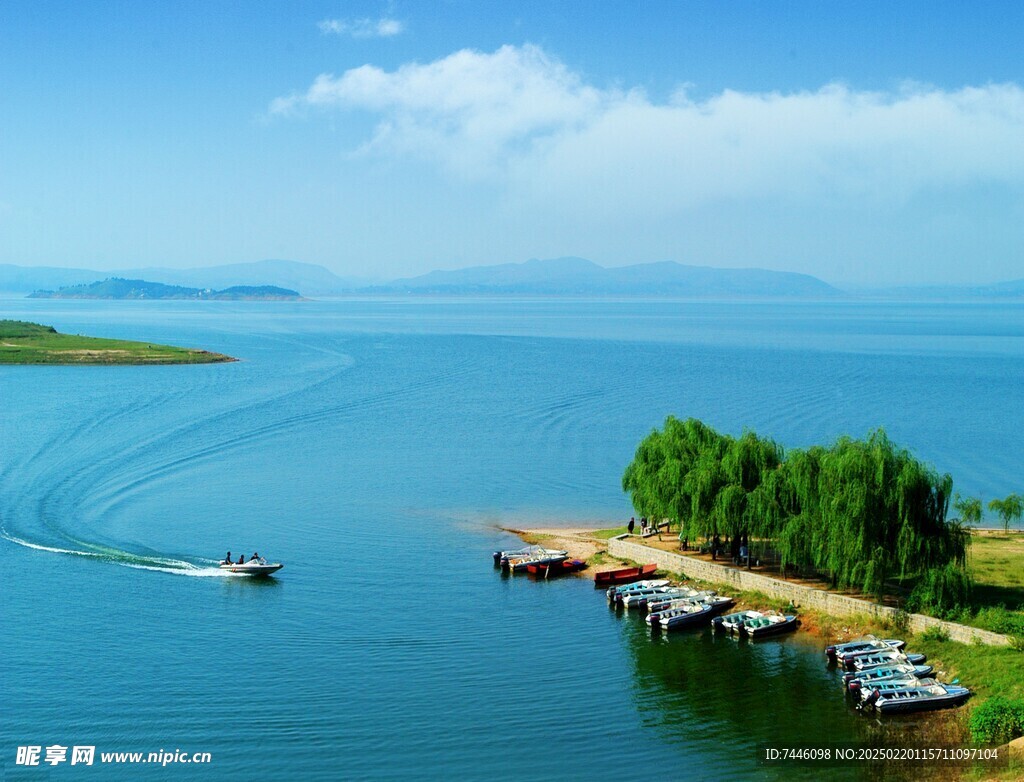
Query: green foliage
point(999, 620)
point(941, 591)
point(988, 670)
point(969, 509)
point(1009, 509)
point(607, 534)
point(20, 328)
point(935, 633)
point(707, 480)
point(900, 621)
point(997, 720)
point(861, 511)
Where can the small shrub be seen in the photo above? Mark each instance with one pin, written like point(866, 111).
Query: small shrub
point(963, 616)
point(900, 621)
point(999, 620)
point(997, 720)
point(935, 633)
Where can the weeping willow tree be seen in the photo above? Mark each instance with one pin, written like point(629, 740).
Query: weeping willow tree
point(969, 509)
point(747, 464)
point(676, 474)
point(786, 508)
point(1008, 509)
point(882, 514)
point(861, 512)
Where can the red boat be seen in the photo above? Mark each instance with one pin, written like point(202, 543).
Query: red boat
point(624, 576)
point(557, 568)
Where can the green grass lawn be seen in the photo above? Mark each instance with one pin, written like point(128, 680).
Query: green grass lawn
point(997, 564)
point(31, 343)
point(997, 561)
point(987, 670)
point(608, 534)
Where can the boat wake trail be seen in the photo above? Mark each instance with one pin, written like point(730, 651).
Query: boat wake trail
point(87, 474)
point(178, 567)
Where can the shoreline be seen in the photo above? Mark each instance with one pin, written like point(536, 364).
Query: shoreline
point(579, 542)
point(582, 543)
point(984, 672)
point(591, 545)
point(30, 344)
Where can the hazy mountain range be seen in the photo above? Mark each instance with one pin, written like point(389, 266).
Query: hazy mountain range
point(580, 277)
point(554, 277)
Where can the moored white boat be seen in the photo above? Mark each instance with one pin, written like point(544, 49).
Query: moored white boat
point(867, 643)
point(873, 647)
point(907, 682)
point(612, 591)
point(731, 623)
point(769, 624)
point(890, 657)
point(855, 680)
point(520, 565)
point(690, 615)
point(911, 699)
point(620, 597)
point(640, 600)
point(521, 552)
point(510, 560)
point(657, 603)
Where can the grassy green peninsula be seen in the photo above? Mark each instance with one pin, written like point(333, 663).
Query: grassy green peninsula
point(32, 343)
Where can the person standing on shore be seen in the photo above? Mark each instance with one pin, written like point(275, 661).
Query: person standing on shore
point(632, 523)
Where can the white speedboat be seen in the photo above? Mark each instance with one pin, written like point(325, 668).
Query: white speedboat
point(254, 567)
point(937, 696)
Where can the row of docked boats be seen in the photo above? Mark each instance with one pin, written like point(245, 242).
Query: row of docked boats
point(673, 607)
point(881, 674)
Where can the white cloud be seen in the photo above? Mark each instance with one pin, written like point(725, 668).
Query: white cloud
point(385, 27)
point(522, 115)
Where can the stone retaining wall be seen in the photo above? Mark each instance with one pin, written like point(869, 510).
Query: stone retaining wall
point(801, 596)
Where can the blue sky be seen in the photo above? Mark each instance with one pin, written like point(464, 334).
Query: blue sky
point(870, 143)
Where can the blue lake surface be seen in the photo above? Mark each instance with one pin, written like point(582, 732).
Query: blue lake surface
point(373, 446)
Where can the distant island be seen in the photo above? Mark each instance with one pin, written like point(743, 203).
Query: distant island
point(32, 343)
point(119, 288)
point(310, 279)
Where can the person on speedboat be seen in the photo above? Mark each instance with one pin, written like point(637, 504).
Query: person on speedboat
point(241, 559)
point(255, 557)
point(227, 559)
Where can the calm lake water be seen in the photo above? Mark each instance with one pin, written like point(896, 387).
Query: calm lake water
point(372, 446)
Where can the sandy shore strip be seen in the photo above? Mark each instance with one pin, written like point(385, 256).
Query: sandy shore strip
point(580, 542)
